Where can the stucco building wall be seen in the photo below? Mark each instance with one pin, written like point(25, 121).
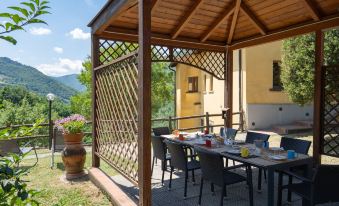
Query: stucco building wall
point(262, 107)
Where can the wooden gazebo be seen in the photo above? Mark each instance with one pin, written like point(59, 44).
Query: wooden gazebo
point(127, 35)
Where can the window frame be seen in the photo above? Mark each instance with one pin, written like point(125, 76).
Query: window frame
point(194, 80)
point(276, 76)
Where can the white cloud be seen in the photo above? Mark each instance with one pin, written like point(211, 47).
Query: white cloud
point(58, 50)
point(39, 31)
point(78, 33)
point(64, 66)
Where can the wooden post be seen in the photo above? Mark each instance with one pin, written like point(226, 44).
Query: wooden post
point(170, 123)
point(207, 122)
point(228, 88)
point(95, 63)
point(318, 100)
point(242, 120)
point(144, 104)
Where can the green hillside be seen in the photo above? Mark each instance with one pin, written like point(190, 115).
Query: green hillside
point(14, 73)
point(72, 81)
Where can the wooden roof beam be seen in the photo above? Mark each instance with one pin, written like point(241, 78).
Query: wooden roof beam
point(257, 23)
point(218, 22)
point(312, 9)
point(234, 21)
point(287, 32)
point(118, 34)
point(110, 12)
point(186, 18)
point(154, 4)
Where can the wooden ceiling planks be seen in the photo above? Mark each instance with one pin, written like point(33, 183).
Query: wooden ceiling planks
point(257, 23)
point(217, 22)
point(221, 18)
point(187, 17)
point(312, 9)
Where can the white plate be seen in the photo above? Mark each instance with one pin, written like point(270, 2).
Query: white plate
point(278, 157)
point(233, 151)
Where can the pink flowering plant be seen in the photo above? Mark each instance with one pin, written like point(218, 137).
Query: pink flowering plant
point(71, 125)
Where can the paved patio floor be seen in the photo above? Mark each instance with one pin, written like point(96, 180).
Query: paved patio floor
point(237, 195)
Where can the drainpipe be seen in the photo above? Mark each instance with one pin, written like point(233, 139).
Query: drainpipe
point(241, 119)
point(172, 67)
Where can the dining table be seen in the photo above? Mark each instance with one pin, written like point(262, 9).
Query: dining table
point(263, 159)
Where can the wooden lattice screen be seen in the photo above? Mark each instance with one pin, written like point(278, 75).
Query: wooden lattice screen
point(116, 97)
point(211, 62)
point(116, 115)
point(330, 143)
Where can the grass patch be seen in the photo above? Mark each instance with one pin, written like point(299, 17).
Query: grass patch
point(55, 192)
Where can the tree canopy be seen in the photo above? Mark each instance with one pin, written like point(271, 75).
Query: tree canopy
point(298, 64)
point(28, 12)
point(21, 106)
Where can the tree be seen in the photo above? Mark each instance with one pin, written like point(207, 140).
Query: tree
point(20, 106)
point(162, 91)
point(23, 15)
point(81, 102)
point(298, 63)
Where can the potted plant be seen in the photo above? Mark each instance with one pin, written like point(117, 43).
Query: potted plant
point(74, 153)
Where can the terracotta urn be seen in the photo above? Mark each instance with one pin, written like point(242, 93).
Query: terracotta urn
point(74, 155)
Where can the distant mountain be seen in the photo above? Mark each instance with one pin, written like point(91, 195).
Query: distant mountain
point(72, 81)
point(15, 73)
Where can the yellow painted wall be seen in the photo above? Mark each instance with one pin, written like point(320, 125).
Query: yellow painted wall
point(236, 103)
point(257, 79)
point(213, 99)
point(186, 101)
point(259, 74)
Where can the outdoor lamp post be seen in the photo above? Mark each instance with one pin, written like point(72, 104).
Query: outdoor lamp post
point(50, 98)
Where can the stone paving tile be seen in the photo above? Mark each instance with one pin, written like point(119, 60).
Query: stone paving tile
point(237, 194)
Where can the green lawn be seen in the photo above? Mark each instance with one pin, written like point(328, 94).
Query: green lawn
point(56, 192)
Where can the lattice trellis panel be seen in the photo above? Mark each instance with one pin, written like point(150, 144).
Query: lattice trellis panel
point(116, 115)
point(331, 111)
point(209, 61)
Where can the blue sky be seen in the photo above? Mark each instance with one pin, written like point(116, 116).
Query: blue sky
point(58, 48)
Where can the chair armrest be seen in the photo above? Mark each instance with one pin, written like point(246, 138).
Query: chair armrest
point(304, 179)
point(28, 143)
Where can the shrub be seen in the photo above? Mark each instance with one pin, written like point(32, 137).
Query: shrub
point(13, 190)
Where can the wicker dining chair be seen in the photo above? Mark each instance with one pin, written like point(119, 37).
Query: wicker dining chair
point(299, 146)
point(180, 161)
point(160, 152)
point(158, 131)
point(321, 187)
point(213, 170)
point(250, 137)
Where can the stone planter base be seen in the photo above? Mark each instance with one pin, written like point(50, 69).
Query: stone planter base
point(74, 156)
